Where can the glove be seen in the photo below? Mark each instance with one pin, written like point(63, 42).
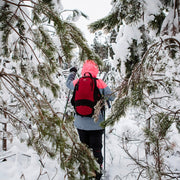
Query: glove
point(73, 69)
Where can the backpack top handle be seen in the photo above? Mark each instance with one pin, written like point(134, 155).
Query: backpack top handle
point(88, 73)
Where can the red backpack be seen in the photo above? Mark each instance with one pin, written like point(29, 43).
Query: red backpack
point(85, 96)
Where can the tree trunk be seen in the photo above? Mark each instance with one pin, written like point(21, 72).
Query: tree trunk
point(177, 6)
point(4, 141)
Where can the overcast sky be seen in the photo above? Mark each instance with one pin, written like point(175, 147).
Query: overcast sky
point(95, 9)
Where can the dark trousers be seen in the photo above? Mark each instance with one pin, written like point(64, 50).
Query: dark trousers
point(93, 139)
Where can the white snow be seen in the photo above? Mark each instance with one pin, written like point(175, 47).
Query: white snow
point(22, 162)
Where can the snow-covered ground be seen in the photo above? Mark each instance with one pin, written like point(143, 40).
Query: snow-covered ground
point(22, 162)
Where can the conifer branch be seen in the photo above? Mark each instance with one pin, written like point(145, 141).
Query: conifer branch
point(13, 117)
point(19, 4)
point(137, 161)
point(24, 39)
point(34, 88)
point(22, 101)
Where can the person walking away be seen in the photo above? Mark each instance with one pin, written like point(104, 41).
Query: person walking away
point(90, 132)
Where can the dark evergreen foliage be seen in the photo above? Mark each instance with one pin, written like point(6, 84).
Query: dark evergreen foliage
point(37, 43)
point(147, 85)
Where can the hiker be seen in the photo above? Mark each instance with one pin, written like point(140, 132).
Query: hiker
point(90, 132)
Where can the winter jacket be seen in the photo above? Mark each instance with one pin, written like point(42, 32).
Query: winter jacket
point(87, 123)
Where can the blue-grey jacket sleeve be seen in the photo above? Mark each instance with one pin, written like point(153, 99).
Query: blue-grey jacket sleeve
point(69, 82)
point(107, 93)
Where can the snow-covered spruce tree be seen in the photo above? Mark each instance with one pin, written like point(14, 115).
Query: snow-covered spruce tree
point(102, 45)
point(37, 45)
point(147, 49)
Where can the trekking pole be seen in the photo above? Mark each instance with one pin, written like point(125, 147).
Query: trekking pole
point(104, 128)
point(104, 144)
point(104, 116)
point(66, 105)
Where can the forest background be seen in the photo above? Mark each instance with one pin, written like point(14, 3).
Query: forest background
point(137, 47)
